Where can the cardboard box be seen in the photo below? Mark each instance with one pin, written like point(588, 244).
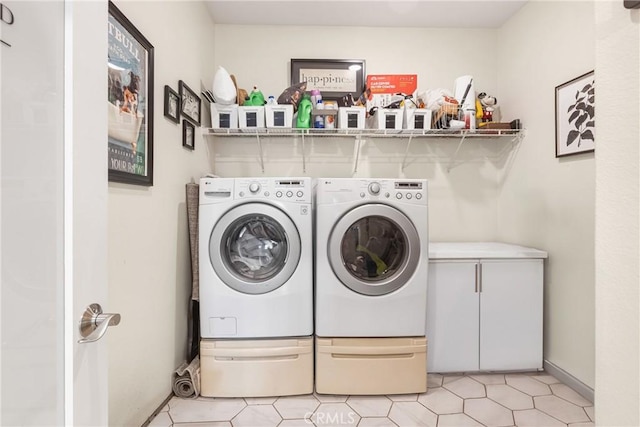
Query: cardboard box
point(279, 116)
point(250, 117)
point(351, 117)
point(417, 118)
point(224, 116)
point(388, 118)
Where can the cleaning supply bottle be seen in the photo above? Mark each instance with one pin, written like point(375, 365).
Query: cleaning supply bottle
point(304, 112)
point(256, 98)
point(315, 97)
point(318, 120)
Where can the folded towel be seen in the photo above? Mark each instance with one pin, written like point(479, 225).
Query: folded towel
point(186, 379)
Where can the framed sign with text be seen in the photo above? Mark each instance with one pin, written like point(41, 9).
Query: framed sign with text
point(130, 102)
point(334, 78)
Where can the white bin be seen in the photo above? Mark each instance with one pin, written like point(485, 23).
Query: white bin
point(351, 117)
point(250, 117)
point(224, 116)
point(417, 118)
point(279, 116)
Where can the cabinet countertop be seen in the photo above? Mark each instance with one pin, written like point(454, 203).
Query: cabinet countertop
point(484, 250)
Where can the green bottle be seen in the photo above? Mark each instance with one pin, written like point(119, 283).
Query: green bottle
point(256, 98)
point(304, 112)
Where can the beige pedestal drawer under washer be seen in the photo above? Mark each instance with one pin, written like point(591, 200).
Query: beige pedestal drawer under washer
point(255, 368)
point(366, 366)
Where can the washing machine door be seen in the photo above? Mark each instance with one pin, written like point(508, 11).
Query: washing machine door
point(374, 249)
point(254, 248)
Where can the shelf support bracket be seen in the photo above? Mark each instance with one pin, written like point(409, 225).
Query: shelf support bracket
point(453, 158)
point(260, 151)
point(304, 161)
point(358, 142)
point(406, 153)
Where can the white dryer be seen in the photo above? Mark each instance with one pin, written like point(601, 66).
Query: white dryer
point(255, 250)
point(256, 287)
point(371, 286)
point(371, 257)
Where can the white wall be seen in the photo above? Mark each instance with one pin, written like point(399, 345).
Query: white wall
point(462, 202)
point(617, 216)
point(546, 202)
point(149, 259)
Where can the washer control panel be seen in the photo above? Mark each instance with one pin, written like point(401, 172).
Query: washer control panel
point(283, 189)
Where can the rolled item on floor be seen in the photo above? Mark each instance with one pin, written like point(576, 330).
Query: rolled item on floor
point(186, 379)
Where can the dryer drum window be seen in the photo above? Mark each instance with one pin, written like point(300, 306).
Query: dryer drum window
point(255, 247)
point(373, 248)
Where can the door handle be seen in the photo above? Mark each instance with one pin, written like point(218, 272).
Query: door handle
point(477, 277)
point(94, 323)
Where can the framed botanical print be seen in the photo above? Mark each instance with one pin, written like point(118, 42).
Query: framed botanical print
point(575, 116)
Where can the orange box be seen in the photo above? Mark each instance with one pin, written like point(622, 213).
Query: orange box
point(392, 83)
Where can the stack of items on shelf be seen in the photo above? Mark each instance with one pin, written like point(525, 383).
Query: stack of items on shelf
point(391, 103)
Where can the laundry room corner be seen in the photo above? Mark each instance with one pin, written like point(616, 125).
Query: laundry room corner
point(149, 257)
point(555, 193)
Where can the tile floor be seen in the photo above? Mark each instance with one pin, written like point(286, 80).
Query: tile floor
point(529, 399)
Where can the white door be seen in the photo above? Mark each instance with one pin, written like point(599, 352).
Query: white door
point(52, 210)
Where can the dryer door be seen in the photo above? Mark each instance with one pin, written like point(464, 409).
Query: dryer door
point(254, 248)
point(374, 249)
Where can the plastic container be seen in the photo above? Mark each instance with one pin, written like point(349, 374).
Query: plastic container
point(318, 120)
point(330, 119)
point(315, 97)
point(272, 100)
point(304, 112)
point(256, 98)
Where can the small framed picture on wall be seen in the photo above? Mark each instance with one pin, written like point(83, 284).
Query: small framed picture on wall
point(188, 135)
point(171, 104)
point(189, 103)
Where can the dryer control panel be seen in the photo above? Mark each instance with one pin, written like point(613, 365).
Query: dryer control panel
point(336, 190)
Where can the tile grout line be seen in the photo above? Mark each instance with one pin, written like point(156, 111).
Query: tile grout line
point(546, 413)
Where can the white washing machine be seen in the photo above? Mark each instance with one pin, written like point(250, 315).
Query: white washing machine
point(371, 285)
point(256, 286)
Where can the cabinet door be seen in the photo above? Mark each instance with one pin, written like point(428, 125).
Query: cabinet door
point(511, 314)
point(452, 317)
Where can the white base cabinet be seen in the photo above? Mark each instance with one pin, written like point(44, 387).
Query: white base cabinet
point(484, 315)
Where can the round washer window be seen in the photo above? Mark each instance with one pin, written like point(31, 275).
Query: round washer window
point(254, 247)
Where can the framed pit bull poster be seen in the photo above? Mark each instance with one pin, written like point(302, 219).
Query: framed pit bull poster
point(130, 102)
